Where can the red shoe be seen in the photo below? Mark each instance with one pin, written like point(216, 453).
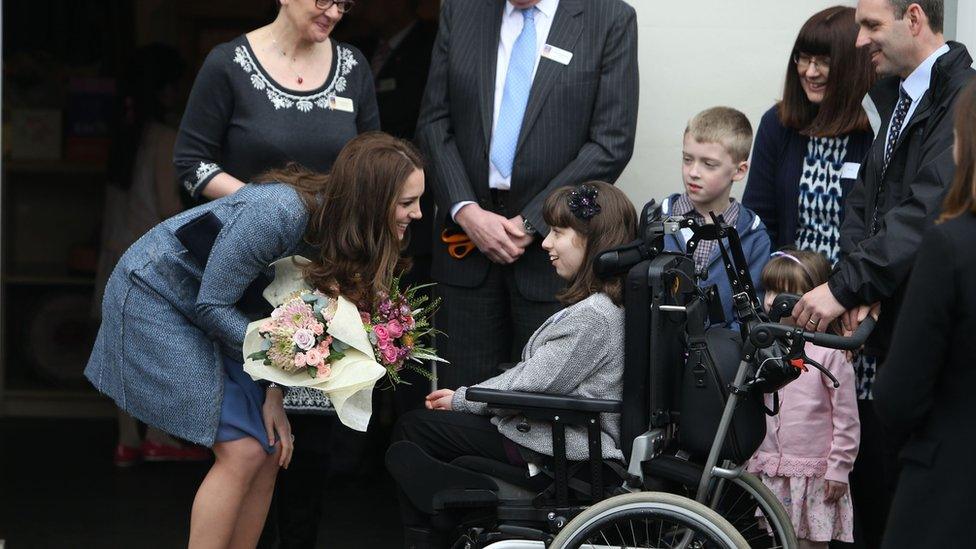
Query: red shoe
point(126, 456)
point(154, 451)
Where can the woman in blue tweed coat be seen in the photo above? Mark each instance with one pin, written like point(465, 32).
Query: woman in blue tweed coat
point(176, 309)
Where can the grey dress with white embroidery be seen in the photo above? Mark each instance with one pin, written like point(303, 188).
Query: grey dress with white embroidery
point(240, 121)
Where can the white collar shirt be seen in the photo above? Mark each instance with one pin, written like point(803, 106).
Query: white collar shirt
point(917, 84)
point(512, 22)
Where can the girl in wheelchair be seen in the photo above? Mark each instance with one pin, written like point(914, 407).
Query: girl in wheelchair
point(576, 352)
point(811, 444)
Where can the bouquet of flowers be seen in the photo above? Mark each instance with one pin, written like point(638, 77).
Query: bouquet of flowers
point(294, 339)
point(313, 340)
point(399, 328)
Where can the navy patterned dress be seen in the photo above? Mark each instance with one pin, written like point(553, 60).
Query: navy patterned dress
point(820, 206)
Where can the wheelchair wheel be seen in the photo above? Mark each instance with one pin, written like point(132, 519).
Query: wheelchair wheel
point(755, 512)
point(648, 520)
point(745, 502)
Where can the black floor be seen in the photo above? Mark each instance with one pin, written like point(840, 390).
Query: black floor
point(58, 488)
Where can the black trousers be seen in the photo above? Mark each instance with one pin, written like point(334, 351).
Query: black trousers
point(873, 480)
point(296, 510)
point(447, 435)
point(485, 326)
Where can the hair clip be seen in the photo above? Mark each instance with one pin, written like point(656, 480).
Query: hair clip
point(582, 202)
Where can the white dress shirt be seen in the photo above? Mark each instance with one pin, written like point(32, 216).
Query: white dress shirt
point(917, 84)
point(512, 22)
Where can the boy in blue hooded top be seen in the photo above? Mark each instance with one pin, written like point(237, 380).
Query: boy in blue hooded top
point(715, 154)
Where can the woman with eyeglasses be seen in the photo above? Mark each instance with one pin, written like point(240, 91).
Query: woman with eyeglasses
point(809, 145)
point(805, 160)
point(283, 93)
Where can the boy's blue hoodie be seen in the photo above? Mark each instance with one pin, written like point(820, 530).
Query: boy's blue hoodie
point(755, 247)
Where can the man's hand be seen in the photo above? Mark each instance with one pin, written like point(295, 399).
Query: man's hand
point(834, 491)
point(817, 309)
point(439, 400)
point(521, 242)
point(853, 318)
point(493, 234)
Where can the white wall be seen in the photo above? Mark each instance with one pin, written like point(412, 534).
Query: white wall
point(696, 54)
point(966, 24)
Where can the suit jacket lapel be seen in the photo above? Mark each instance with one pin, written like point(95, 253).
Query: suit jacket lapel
point(563, 33)
point(489, 60)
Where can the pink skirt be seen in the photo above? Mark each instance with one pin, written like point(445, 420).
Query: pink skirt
point(813, 517)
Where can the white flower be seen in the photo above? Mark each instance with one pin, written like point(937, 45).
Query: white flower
point(304, 105)
point(257, 82)
point(304, 338)
point(340, 84)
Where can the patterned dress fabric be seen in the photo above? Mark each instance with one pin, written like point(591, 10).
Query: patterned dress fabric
point(821, 196)
point(820, 204)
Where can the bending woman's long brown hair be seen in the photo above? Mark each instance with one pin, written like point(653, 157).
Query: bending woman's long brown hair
point(962, 194)
point(352, 219)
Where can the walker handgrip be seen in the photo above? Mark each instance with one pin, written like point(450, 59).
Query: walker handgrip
point(852, 343)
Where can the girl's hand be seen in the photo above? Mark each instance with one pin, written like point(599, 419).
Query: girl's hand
point(275, 419)
point(835, 491)
point(439, 400)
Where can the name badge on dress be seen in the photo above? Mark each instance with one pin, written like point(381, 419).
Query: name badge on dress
point(558, 55)
point(849, 170)
point(386, 85)
point(337, 103)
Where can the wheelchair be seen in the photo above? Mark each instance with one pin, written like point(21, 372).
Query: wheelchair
point(691, 414)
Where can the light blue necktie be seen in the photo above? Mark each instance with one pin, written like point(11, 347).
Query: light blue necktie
point(518, 83)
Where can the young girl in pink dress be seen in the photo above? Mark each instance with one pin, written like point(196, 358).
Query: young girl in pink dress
point(811, 444)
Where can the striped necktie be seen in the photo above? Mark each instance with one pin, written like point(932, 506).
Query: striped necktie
point(515, 97)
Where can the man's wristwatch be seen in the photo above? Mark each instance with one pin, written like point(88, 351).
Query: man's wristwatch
point(528, 228)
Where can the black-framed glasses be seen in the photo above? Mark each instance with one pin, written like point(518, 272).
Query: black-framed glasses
point(343, 5)
point(803, 61)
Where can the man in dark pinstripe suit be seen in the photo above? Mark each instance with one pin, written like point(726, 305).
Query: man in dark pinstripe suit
point(523, 96)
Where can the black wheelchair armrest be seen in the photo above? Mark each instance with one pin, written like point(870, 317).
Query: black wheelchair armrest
point(520, 400)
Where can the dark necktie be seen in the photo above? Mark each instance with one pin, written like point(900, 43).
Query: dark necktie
point(897, 121)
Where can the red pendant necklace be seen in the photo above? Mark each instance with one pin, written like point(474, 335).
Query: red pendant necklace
point(283, 53)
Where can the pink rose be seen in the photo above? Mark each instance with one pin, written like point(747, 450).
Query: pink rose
point(313, 357)
point(365, 317)
point(395, 328)
point(389, 354)
point(324, 346)
point(300, 360)
point(324, 371)
point(382, 333)
point(318, 328)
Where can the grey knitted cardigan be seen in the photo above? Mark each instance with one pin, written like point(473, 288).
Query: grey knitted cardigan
point(578, 351)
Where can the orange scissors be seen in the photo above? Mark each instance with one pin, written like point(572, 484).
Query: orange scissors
point(458, 243)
